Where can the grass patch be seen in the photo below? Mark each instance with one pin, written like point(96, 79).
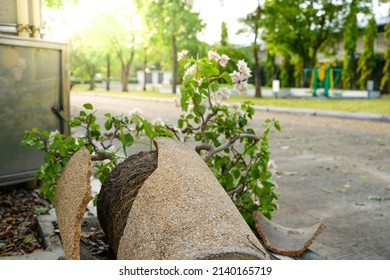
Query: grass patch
point(151, 93)
point(374, 106)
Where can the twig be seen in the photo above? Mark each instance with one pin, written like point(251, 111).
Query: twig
point(229, 143)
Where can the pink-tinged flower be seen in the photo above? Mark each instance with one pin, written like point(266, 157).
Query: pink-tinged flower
point(243, 68)
point(223, 60)
point(181, 55)
point(236, 76)
point(214, 55)
point(242, 86)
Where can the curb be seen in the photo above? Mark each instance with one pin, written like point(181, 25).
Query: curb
point(324, 113)
point(273, 109)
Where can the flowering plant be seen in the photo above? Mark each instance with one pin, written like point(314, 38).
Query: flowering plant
point(237, 154)
point(123, 129)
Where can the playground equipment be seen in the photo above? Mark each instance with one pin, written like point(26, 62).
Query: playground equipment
point(323, 75)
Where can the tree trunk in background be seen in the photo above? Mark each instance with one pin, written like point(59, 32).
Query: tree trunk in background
point(108, 69)
point(174, 64)
point(145, 64)
point(125, 71)
point(257, 72)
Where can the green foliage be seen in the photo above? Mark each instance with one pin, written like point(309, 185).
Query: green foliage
point(366, 61)
point(252, 23)
point(301, 29)
point(173, 26)
point(58, 149)
point(270, 67)
point(58, 3)
point(224, 34)
point(386, 69)
point(350, 37)
point(238, 155)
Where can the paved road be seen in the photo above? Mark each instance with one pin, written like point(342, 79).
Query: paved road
point(329, 170)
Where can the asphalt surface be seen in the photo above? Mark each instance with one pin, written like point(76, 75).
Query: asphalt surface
point(331, 168)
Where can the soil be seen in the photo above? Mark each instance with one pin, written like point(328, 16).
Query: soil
point(19, 232)
point(19, 208)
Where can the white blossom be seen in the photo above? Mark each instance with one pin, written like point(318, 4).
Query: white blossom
point(243, 69)
point(191, 70)
point(181, 55)
point(223, 61)
point(236, 76)
point(242, 86)
point(135, 112)
point(213, 55)
point(54, 133)
point(158, 122)
point(241, 76)
point(221, 95)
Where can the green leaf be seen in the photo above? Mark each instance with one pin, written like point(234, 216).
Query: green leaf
point(41, 210)
point(214, 86)
point(374, 197)
point(180, 123)
point(95, 199)
point(108, 124)
point(28, 239)
point(227, 78)
point(88, 106)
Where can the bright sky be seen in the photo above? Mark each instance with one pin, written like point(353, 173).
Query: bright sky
point(213, 12)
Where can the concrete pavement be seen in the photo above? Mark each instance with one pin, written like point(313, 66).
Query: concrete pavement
point(332, 167)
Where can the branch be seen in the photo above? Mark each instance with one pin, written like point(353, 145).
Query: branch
point(229, 143)
point(204, 147)
point(102, 156)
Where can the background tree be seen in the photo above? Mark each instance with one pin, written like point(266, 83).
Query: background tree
point(302, 27)
point(85, 60)
point(350, 37)
point(366, 62)
point(173, 25)
point(252, 25)
point(386, 69)
point(114, 29)
point(270, 68)
point(224, 34)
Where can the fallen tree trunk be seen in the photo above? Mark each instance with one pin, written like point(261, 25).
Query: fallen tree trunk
point(169, 205)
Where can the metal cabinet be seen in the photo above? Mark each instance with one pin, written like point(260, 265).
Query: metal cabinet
point(34, 83)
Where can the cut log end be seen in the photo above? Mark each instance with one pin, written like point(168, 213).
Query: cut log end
point(119, 191)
